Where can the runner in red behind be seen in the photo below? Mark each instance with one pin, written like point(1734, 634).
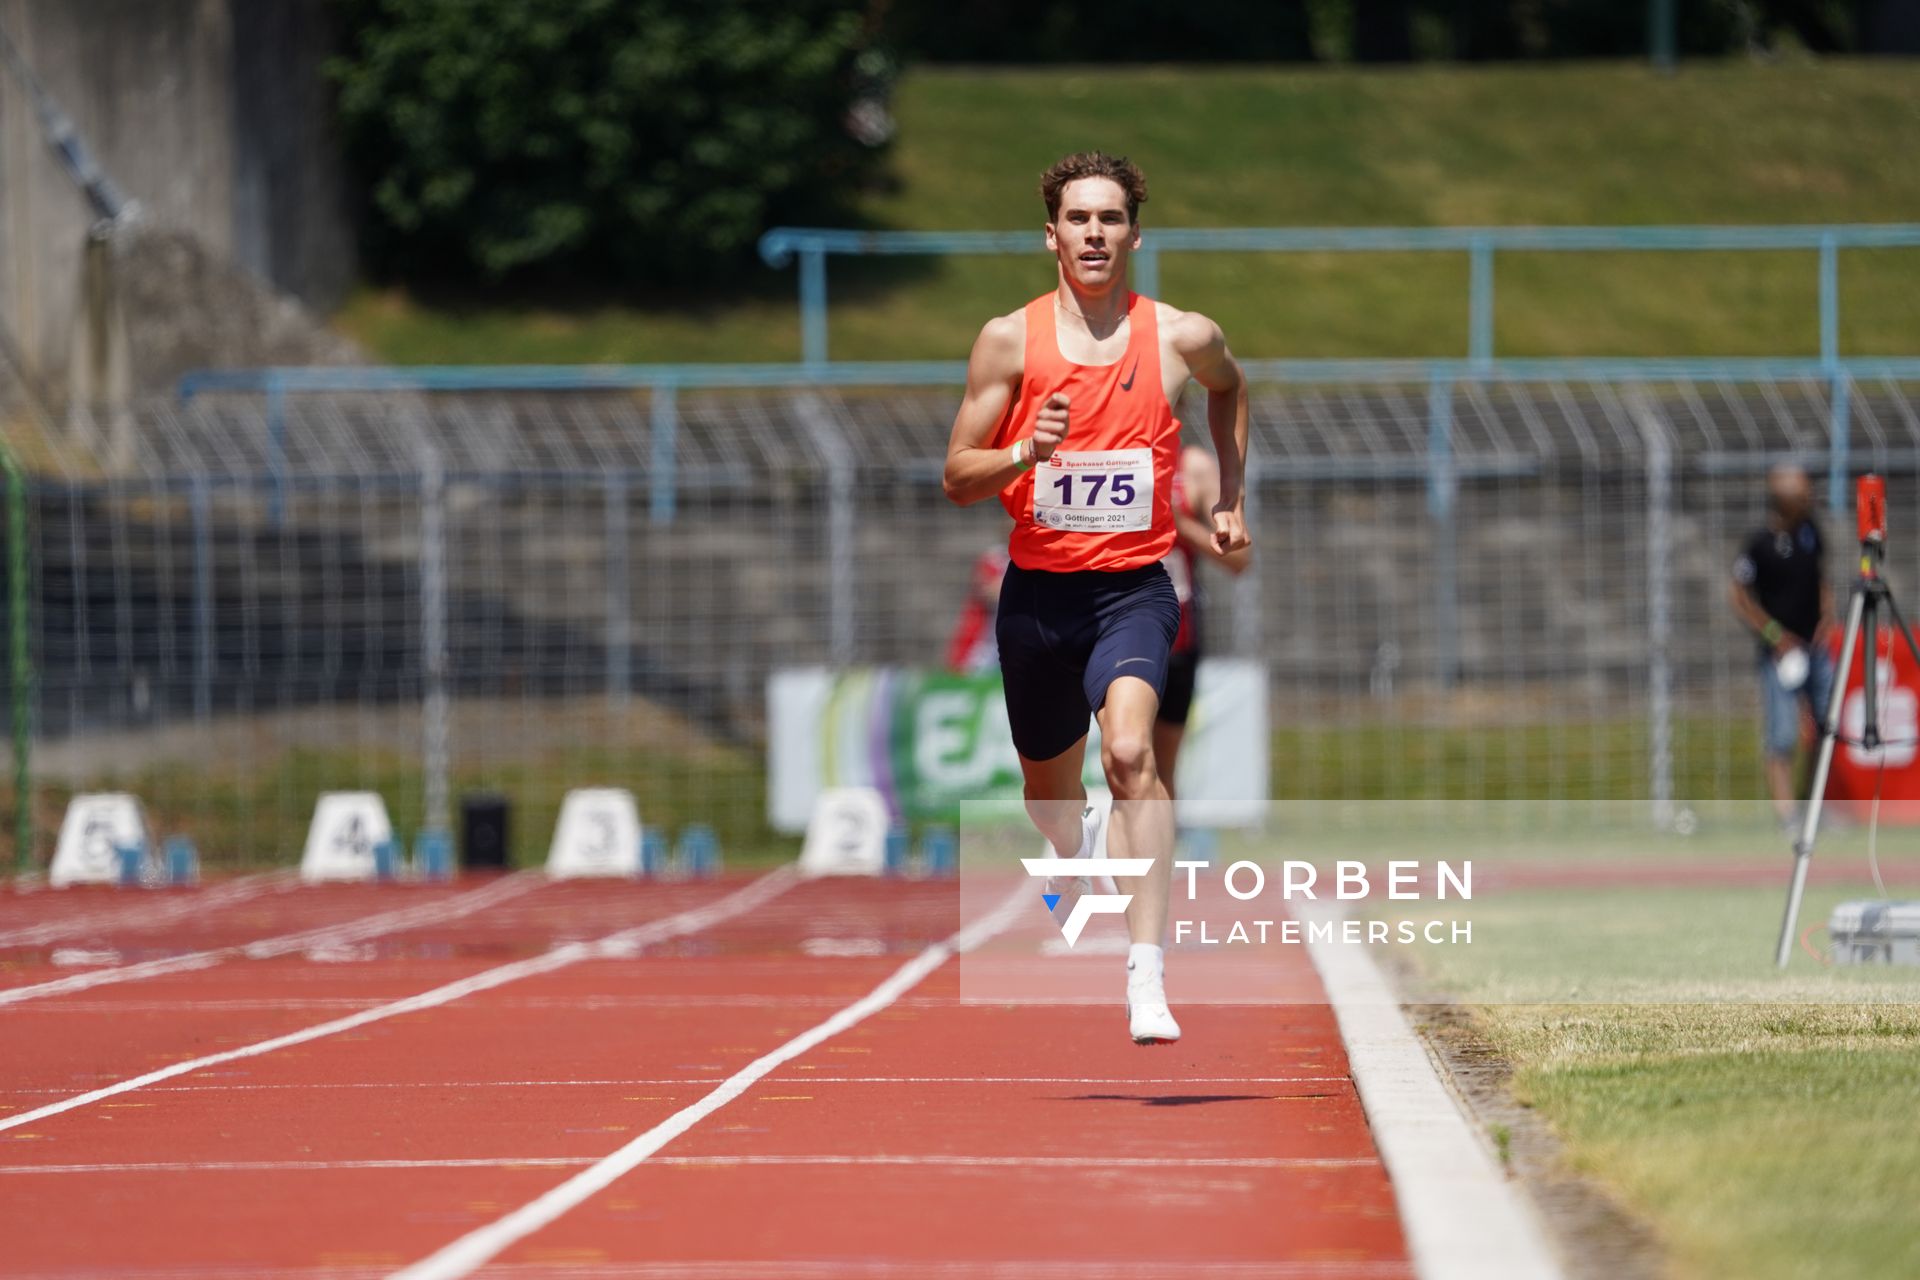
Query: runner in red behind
point(1068, 418)
point(1194, 486)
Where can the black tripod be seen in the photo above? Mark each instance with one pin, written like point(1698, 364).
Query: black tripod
point(1870, 595)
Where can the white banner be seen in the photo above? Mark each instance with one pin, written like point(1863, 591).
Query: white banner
point(928, 740)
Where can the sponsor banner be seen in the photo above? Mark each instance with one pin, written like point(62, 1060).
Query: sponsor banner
point(930, 740)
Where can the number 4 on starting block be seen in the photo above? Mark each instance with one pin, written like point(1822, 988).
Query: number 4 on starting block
point(347, 827)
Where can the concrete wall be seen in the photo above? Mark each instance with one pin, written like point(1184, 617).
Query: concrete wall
point(211, 113)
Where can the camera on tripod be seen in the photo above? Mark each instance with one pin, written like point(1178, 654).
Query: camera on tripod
point(1865, 930)
point(1870, 510)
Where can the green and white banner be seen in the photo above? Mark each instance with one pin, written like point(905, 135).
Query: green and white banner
point(929, 740)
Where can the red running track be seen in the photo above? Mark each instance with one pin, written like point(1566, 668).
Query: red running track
point(932, 1139)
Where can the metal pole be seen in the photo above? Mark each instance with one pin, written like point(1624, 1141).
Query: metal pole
point(813, 305)
point(277, 450)
point(619, 595)
point(840, 464)
point(433, 639)
point(1146, 271)
point(58, 131)
point(1480, 301)
point(1247, 619)
point(201, 500)
point(1829, 299)
point(1660, 34)
point(1441, 488)
point(1839, 443)
point(1659, 615)
point(1803, 847)
point(22, 665)
point(664, 426)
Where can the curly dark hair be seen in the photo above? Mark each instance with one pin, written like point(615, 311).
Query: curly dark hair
point(1093, 164)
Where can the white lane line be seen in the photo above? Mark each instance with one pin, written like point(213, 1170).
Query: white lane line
point(300, 1166)
point(145, 915)
point(477, 1248)
point(552, 1162)
point(587, 1003)
point(1463, 1218)
point(333, 935)
point(250, 1005)
point(454, 1086)
point(622, 943)
point(759, 1269)
point(1167, 1262)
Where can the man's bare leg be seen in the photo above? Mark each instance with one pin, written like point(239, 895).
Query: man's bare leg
point(1142, 810)
point(1166, 751)
point(1780, 786)
point(1056, 796)
point(1142, 826)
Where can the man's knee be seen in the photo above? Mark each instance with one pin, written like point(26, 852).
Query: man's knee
point(1128, 760)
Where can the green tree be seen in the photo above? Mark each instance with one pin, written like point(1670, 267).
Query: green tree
point(622, 141)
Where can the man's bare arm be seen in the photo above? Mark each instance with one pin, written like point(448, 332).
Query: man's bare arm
point(975, 471)
point(1200, 343)
point(1201, 475)
point(1746, 607)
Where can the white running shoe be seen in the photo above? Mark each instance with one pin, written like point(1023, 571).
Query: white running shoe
point(1148, 1018)
point(1072, 888)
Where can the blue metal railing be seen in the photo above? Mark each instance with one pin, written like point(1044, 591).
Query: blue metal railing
point(811, 246)
point(283, 380)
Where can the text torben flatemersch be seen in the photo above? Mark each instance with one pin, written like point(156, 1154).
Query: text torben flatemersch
point(1351, 881)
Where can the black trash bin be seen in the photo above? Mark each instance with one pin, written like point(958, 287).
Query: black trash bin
point(483, 831)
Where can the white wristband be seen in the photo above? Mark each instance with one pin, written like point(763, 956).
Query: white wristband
point(1016, 453)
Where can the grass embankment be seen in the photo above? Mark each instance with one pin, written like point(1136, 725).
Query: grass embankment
point(1751, 1118)
point(1734, 142)
point(1567, 760)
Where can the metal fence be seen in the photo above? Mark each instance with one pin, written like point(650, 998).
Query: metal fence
point(1485, 581)
point(810, 247)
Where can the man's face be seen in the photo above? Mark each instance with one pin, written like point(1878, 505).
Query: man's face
point(1092, 234)
point(1789, 495)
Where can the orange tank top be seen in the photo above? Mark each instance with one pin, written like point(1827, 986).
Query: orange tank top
point(1105, 499)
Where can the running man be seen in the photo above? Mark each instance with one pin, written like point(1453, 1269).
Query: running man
point(1068, 418)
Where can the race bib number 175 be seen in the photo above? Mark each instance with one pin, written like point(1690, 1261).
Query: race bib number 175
point(1109, 491)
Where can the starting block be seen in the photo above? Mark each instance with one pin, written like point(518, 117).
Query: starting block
point(940, 851)
point(598, 834)
point(433, 855)
point(847, 835)
point(938, 854)
point(697, 852)
point(656, 857)
point(182, 861)
point(102, 833)
point(348, 829)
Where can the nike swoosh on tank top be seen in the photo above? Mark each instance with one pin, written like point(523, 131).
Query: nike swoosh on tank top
point(1084, 508)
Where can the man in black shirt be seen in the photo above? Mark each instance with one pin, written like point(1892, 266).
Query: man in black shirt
point(1780, 593)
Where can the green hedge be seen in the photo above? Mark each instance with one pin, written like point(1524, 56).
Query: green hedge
point(615, 141)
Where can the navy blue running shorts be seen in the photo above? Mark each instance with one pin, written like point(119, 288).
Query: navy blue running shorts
point(1064, 637)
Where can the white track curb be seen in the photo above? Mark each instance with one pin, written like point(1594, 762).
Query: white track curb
point(1463, 1219)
